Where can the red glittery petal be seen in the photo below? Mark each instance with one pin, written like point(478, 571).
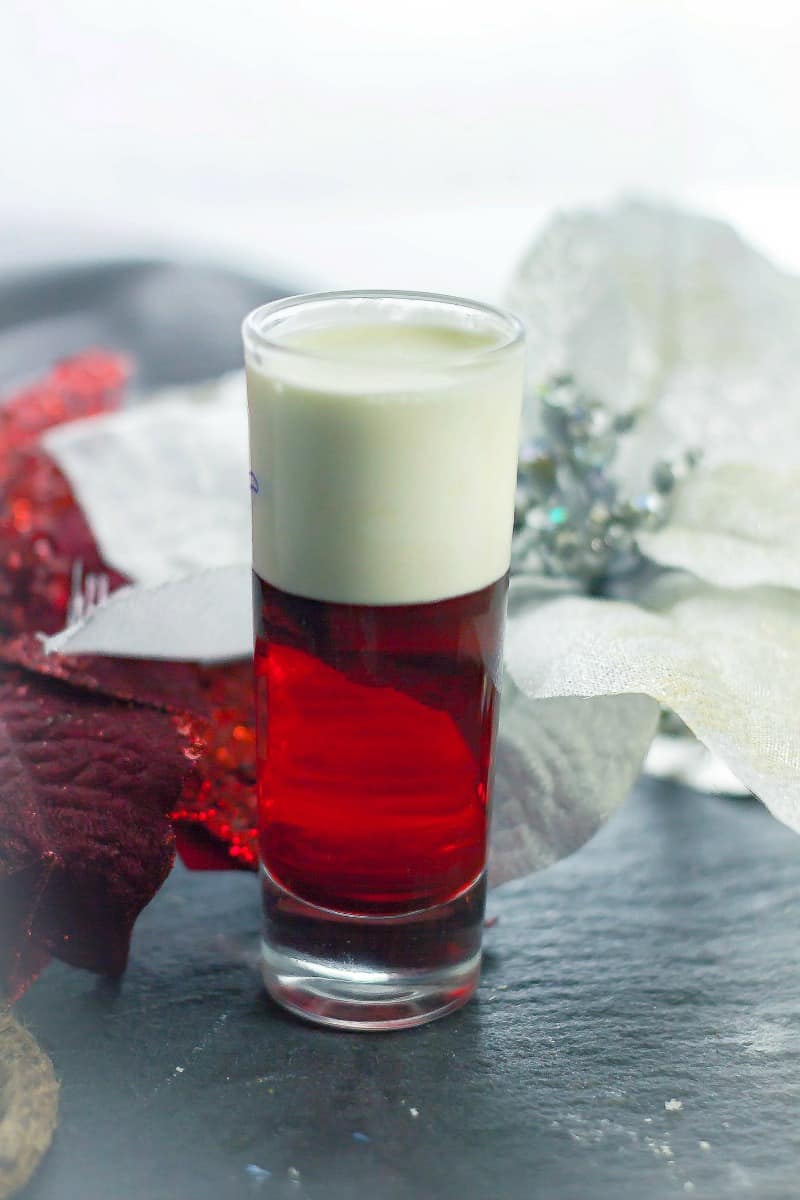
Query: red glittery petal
point(42, 529)
point(216, 820)
point(82, 386)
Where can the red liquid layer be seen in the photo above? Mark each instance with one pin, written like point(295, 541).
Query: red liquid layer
point(375, 733)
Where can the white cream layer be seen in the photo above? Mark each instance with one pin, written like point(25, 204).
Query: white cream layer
point(384, 463)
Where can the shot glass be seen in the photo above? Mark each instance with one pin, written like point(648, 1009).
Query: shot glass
point(384, 432)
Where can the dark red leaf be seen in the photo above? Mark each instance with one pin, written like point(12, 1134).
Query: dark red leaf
point(86, 781)
point(21, 958)
point(168, 686)
point(200, 850)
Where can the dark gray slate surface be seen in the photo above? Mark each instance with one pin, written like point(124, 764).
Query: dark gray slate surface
point(659, 962)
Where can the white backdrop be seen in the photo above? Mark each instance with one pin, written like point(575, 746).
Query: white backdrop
point(368, 143)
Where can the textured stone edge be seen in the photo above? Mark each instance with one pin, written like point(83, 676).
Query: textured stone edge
point(28, 1105)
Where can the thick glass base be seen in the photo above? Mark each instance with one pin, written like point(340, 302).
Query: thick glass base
point(371, 972)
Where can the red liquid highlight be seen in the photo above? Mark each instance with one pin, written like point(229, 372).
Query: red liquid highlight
point(376, 726)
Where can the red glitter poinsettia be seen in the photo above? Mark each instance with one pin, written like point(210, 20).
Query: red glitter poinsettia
point(99, 757)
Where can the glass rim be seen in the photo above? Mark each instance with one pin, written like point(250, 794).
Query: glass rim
point(255, 338)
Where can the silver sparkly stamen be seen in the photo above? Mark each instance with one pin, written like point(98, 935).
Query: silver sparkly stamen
point(570, 518)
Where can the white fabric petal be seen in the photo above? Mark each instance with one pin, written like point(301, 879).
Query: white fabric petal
point(207, 616)
point(737, 526)
point(563, 767)
point(727, 662)
point(164, 485)
point(672, 313)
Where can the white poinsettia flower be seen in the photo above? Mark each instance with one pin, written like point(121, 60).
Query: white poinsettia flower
point(650, 308)
point(673, 315)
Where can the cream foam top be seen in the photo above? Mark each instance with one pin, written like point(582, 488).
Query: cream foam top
point(384, 458)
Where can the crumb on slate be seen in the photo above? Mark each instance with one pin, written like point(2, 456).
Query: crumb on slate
point(259, 1173)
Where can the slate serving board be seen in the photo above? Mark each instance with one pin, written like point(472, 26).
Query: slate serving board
point(659, 963)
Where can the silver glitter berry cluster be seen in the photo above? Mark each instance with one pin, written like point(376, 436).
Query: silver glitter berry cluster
point(571, 519)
